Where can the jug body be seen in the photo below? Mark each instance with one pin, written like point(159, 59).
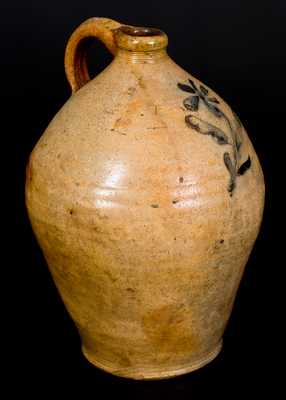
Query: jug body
point(146, 197)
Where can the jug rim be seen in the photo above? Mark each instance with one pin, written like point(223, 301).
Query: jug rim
point(137, 38)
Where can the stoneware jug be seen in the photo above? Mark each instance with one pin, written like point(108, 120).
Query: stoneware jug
point(146, 196)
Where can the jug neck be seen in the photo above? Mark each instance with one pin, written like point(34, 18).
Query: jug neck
point(140, 45)
point(140, 57)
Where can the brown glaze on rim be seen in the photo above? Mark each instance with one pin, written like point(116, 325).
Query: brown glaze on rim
point(134, 38)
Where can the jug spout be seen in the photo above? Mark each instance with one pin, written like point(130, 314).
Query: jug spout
point(133, 38)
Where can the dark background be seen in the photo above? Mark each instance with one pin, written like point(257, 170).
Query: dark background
point(235, 47)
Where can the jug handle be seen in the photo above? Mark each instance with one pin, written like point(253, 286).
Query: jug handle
point(75, 54)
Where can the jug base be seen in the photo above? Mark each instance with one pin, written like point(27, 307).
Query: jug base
point(155, 374)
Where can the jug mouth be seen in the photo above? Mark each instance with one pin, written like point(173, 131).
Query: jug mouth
point(137, 38)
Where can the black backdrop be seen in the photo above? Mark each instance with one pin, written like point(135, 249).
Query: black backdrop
point(234, 46)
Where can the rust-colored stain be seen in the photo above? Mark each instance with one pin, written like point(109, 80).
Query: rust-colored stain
point(141, 82)
point(131, 90)
point(166, 329)
point(122, 122)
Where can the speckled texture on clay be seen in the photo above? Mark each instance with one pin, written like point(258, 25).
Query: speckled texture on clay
point(128, 193)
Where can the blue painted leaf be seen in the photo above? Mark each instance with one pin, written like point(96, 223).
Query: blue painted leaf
point(214, 109)
point(192, 103)
point(204, 90)
point(238, 142)
point(228, 163)
point(193, 85)
point(231, 168)
point(186, 88)
point(244, 167)
point(205, 128)
point(192, 122)
point(213, 100)
point(219, 136)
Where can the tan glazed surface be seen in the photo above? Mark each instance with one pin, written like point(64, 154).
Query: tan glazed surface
point(146, 197)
